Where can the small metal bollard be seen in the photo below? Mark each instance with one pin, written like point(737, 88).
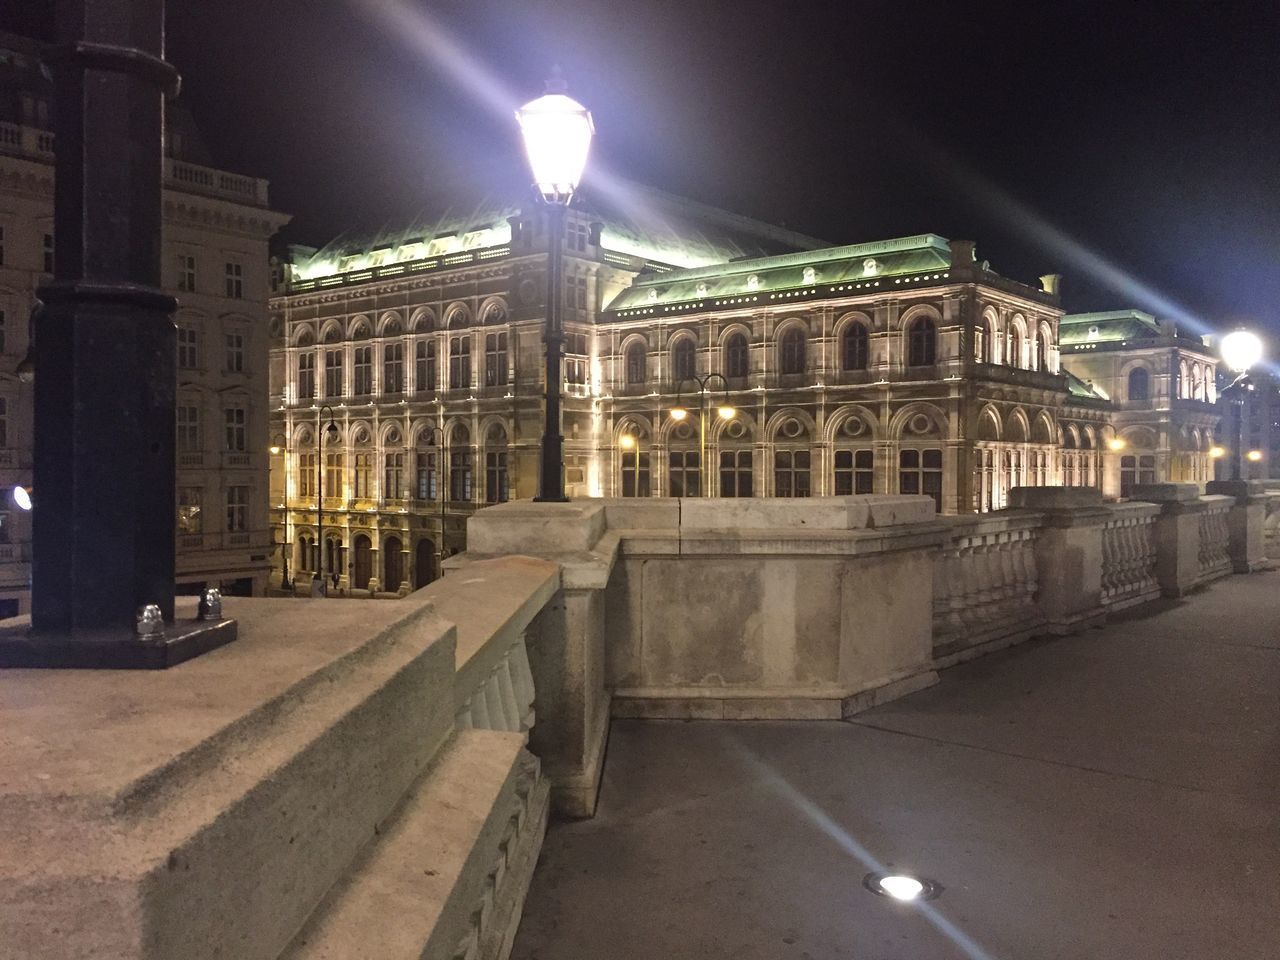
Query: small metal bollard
point(150, 622)
point(210, 604)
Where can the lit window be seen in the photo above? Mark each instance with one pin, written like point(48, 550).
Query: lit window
point(189, 501)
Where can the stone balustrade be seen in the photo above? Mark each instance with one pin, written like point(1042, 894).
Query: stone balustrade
point(1129, 555)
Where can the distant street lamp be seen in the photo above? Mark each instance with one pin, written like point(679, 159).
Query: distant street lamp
point(1241, 349)
point(277, 447)
point(331, 431)
point(435, 438)
point(557, 134)
point(724, 410)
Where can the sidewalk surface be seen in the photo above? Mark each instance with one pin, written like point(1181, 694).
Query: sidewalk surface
point(1114, 794)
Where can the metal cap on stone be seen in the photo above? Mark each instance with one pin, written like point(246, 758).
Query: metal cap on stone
point(151, 622)
point(210, 604)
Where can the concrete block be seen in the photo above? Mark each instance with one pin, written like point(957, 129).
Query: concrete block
point(782, 514)
point(1165, 492)
point(642, 513)
point(537, 529)
point(1054, 498)
point(884, 510)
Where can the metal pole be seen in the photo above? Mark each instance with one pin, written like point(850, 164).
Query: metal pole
point(702, 440)
point(551, 477)
point(1237, 455)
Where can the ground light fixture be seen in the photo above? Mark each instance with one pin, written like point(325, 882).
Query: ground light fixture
point(901, 886)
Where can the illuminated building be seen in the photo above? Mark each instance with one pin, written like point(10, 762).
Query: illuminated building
point(216, 228)
point(901, 366)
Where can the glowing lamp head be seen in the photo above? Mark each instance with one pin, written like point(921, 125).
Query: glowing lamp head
point(679, 413)
point(726, 412)
point(627, 442)
point(22, 497)
point(1115, 443)
point(275, 448)
point(1241, 350)
point(557, 133)
point(1217, 452)
point(1254, 456)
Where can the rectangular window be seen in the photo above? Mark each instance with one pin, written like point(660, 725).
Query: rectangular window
point(188, 348)
point(426, 486)
point(236, 418)
point(920, 472)
point(363, 476)
point(235, 353)
point(575, 359)
point(575, 293)
point(393, 476)
point(188, 428)
point(189, 500)
point(459, 363)
point(424, 371)
point(684, 479)
point(333, 374)
point(237, 508)
point(307, 475)
point(495, 478)
point(393, 368)
point(235, 280)
point(362, 372)
point(47, 248)
point(635, 473)
point(460, 476)
point(186, 273)
point(735, 473)
point(495, 359)
point(578, 235)
point(333, 468)
point(854, 471)
point(791, 473)
point(306, 375)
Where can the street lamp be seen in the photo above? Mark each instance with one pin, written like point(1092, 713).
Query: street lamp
point(557, 134)
point(724, 410)
point(331, 431)
point(435, 438)
point(1241, 349)
point(278, 445)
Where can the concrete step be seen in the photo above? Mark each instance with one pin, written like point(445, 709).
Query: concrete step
point(447, 875)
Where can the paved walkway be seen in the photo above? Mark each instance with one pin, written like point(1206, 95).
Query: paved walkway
point(1110, 795)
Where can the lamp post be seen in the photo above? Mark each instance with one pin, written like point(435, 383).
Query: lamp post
point(725, 411)
point(321, 432)
point(557, 134)
point(436, 439)
point(1241, 349)
point(278, 446)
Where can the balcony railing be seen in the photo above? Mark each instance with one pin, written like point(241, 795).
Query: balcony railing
point(191, 459)
point(236, 458)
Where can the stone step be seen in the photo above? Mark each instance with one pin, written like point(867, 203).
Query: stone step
point(447, 876)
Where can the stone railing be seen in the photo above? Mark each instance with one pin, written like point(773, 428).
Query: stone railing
point(1129, 555)
point(985, 582)
point(1213, 558)
point(1271, 523)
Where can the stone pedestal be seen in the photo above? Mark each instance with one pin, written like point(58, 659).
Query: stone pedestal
point(1068, 554)
point(1177, 534)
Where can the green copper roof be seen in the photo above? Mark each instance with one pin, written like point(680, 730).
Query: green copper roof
point(860, 265)
point(1107, 327)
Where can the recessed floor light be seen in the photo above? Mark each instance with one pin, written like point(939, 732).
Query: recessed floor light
point(901, 886)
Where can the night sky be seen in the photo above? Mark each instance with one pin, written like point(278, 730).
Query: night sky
point(1131, 146)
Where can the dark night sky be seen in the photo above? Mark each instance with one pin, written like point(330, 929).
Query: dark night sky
point(1071, 137)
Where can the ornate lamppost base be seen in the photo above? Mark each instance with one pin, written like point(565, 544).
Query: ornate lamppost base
point(109, 650)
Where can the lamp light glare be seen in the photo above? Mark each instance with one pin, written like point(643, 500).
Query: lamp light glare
point(1253, 456)
point(727, 412)
point(557, 133)
point(1217, 452)
point(901, 886)
point(627, 442)
point(1115, 443)
point(1241, 349)
point(22, 497)
point(678, 413)
point(274, 448)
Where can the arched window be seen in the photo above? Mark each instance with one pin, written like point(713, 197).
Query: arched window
point(684, 363)
point(459, 362)
point(735, 356)
point(922, 343)
point(636, 361)
point(854, 347)
point(1017, 348)
point(792, 351)
point(1043, 343)
point(1139, 384)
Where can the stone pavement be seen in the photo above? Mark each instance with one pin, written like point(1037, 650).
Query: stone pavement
point(1114, 794)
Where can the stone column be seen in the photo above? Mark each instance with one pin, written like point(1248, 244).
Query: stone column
point(1177, 534)
point(1068, 554)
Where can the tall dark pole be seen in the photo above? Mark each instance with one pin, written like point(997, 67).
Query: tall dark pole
point(103, 529)
point(1238, 390)
point(551, 477)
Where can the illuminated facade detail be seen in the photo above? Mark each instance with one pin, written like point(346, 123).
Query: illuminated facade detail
point(216, 225)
